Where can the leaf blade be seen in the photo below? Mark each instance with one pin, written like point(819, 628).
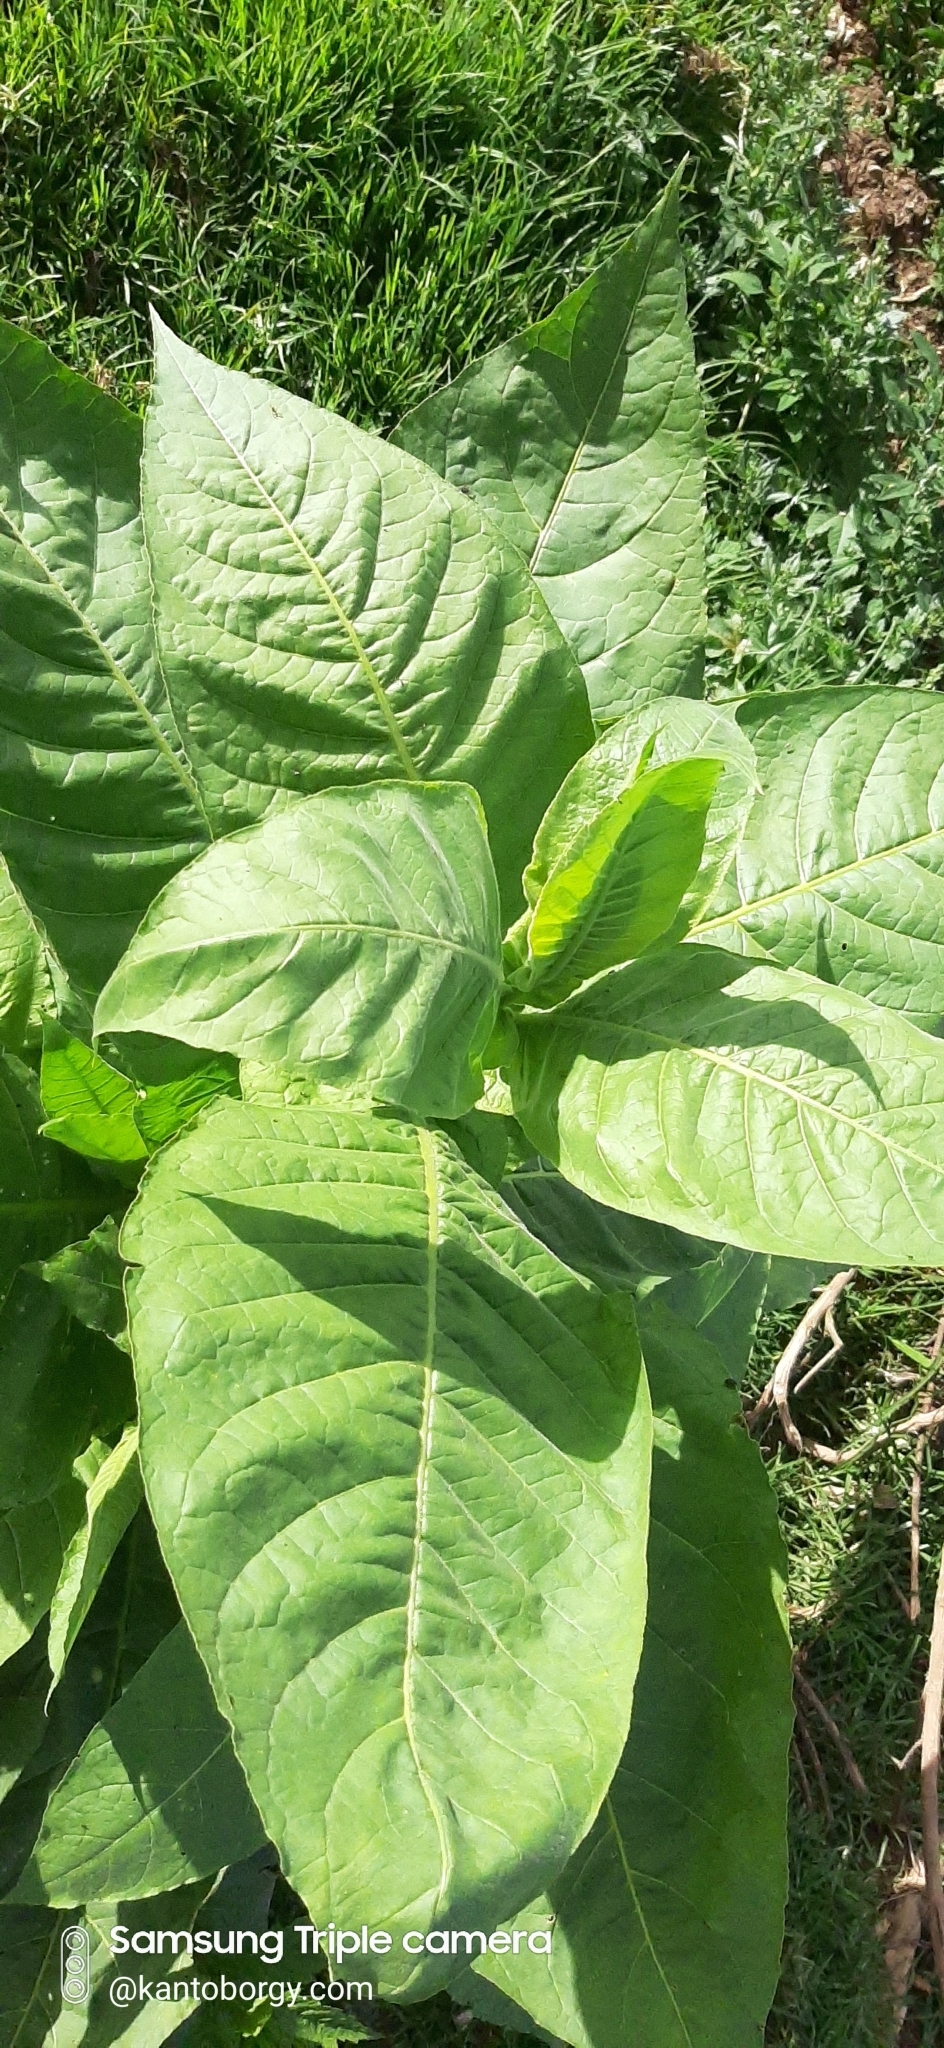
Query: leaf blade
point(445, 1273)
point(362, 622)
point(742, 1102)
point(97, 805)
point(583, 439)
point(668, 1920)
point(840, 871)
point(355, 934)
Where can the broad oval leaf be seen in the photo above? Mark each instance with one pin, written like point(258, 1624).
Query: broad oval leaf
point(583, 439)
point(356, 933)
point(330, 612)
point(840, 870)
point(669, 1918)
point(619, 886)
point(744, 1103)
point(33, 1542)
point(407, 1523)
point(154, 1799)
point(97, 805)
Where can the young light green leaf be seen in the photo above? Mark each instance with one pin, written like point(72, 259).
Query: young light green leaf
point(406, 1523)
point(583, 439)
point(331, 612)
point(154, 1799)
point(88, 1278)
point(113, 1496)
point(619, 886)
point(356, 932)
point(840, 870)
point(668, 1920)
point(89, 1105)
point(745, 1103)
point(659, 733)
point(97, 807)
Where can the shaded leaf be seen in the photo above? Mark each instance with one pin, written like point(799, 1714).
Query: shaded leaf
point(745, 1103)
point(45, 1198)
point(356, 933)
point(33, 1540)
point(330, 612)
point(114, 1493)
point(21, 963)
point(155, 1797)
point(88, 1278)
point(583, 439)
point(97, 807)
point(407, 1523)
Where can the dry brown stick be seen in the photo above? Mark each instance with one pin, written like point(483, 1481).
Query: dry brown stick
point(904, 1604)
point(804, 1737)
point(829, 1325)
point(778, 1386)
point(927, 1418)
point(804, 1783)
point(904, 1763)
point(930, 1760)
point(813, 1700)
point(914, 1596)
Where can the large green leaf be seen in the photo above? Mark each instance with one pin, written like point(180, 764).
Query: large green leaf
point(356, 933)
point(97, 807)
point(746, 1103)
point(407, 1523)
point(619, 885)
point(331, 612)
point(583, 438)
point(840, 870)
point(667, 1922)
point(154, 1799)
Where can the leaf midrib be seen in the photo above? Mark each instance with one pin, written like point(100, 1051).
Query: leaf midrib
point(813, 883)
point(360, 652)
point(377, 931)
point(411, 1652)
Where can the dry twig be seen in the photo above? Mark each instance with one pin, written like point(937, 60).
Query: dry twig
point(930, 1760)
point(777, 1389)
point(813, 1700)
point(805, 1738)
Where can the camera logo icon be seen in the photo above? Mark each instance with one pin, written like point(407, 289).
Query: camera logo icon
point(75, 1970)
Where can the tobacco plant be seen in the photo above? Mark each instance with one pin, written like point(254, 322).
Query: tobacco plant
point(431, 1031)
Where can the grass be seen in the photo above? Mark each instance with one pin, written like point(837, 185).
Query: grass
point(357, 196)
